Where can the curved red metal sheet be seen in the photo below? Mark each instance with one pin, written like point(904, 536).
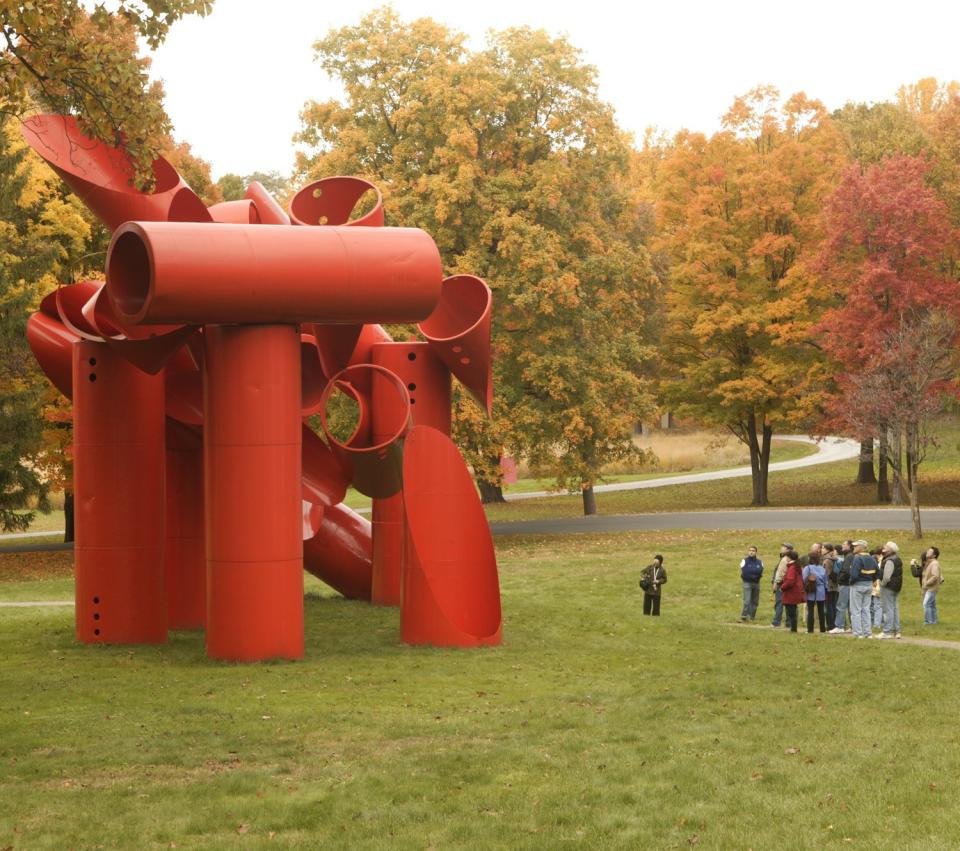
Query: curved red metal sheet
point(52, 345)
point(374, 461)
point(242, 212)
point(451, 592)
point(340, 552)
point(101, 175)
point(459, 331)
point(325, 482)
point(177, 272)
point(270, 212)
point(331, 200)
point(70, 301)
point(313, 381)
point(335, 345)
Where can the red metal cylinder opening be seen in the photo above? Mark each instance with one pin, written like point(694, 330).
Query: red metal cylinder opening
point(118, 475)
point(252, 487)
point(375, 465)
point(331, 201)
point(459, 331)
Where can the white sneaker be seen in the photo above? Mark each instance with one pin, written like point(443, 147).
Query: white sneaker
point(848, 629)
point(836, 631)
point(871, 635)
point(862, 636)
point(881, 636)
point(899, 635)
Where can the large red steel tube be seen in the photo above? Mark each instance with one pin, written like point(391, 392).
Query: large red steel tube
point(428, 384)
point(340, 552)
point(269, 211)
point(102, 176)
point(252, 486)
point(185, 555)
point(118, 477)
point(459, 331)
point(52, 345)
point(331, 201)
point(451, 592)
point(175, 272)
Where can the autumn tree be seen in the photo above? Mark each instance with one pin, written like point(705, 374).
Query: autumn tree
point(508, 158)
point(41, 230)
point(738, 214)
point(55, 55)
point(233, 186)
point(889, 256)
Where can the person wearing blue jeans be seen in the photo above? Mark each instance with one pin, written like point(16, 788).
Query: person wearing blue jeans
point(778, 575)
point(843, 587)
point(863, 571)
point(891, 581)
point(751, 569)
point(931, 580)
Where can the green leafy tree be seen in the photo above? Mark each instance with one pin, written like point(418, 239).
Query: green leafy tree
point(233, 186)
point(509, 159)
point(56, 55)
point(40, 232)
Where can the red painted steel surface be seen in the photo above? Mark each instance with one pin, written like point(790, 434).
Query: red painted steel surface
point(325, 482)
point(340, 552)
point(52, 346)
point(184, 555)
point(428, 384)
point(459, 331)
point(451, 592)
point(242, 212)
point(176, 272)
point(269, 211)
point(375, 463)
point(330, 201)
point(118, 481)
point(252, 486)
point(100, 176)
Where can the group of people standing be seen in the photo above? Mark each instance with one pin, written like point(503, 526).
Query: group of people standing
point(841, 582)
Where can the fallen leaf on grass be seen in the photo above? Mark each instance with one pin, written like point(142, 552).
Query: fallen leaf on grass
point(244, 828)
point(757, 775)
point(792, 751)
point(933, 786)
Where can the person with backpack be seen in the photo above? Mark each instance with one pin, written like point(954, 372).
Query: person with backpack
point(815, 584)
point(843, 587)
point(863, 572)
point(751, 569)
point(891, 581)
point(652, 578)
point(791, 589)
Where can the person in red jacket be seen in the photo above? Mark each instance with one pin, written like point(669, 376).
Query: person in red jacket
point(791, 589)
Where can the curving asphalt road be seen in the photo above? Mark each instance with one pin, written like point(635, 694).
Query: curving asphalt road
point(829, 449)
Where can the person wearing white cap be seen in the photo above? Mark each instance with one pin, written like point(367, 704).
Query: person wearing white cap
point(863, 572)
point(891, 581)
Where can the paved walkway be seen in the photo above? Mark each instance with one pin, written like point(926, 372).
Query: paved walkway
point(918, 642)
point(29, 604)
point(829, 449)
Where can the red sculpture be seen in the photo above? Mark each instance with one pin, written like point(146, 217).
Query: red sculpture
point(200, 491)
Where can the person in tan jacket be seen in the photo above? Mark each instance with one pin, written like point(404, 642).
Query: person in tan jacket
point(930, 582)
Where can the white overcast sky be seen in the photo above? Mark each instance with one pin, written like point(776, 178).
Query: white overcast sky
point(237, 79)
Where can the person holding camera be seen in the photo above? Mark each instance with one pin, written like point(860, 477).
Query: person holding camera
point(652, 578)
point(930, 582)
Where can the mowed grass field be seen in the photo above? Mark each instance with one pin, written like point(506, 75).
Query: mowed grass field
point(591, 727)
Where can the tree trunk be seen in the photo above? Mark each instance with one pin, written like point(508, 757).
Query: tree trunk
point(759, 460)
point(589, 501)
point(489, 492)
point(68, 517)
point(865, 474)
point(883, 483)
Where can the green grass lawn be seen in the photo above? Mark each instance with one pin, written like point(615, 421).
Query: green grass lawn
point(591, 727)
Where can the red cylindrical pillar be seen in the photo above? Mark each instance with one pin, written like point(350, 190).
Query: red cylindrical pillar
point(428, 382)
point(252, 485)
point(118, 476)
point(185, 556)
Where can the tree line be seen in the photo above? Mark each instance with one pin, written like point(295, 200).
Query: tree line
point(795, 270)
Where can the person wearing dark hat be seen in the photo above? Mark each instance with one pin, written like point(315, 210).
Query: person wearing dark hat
point(652, 578)
point(777, 581)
